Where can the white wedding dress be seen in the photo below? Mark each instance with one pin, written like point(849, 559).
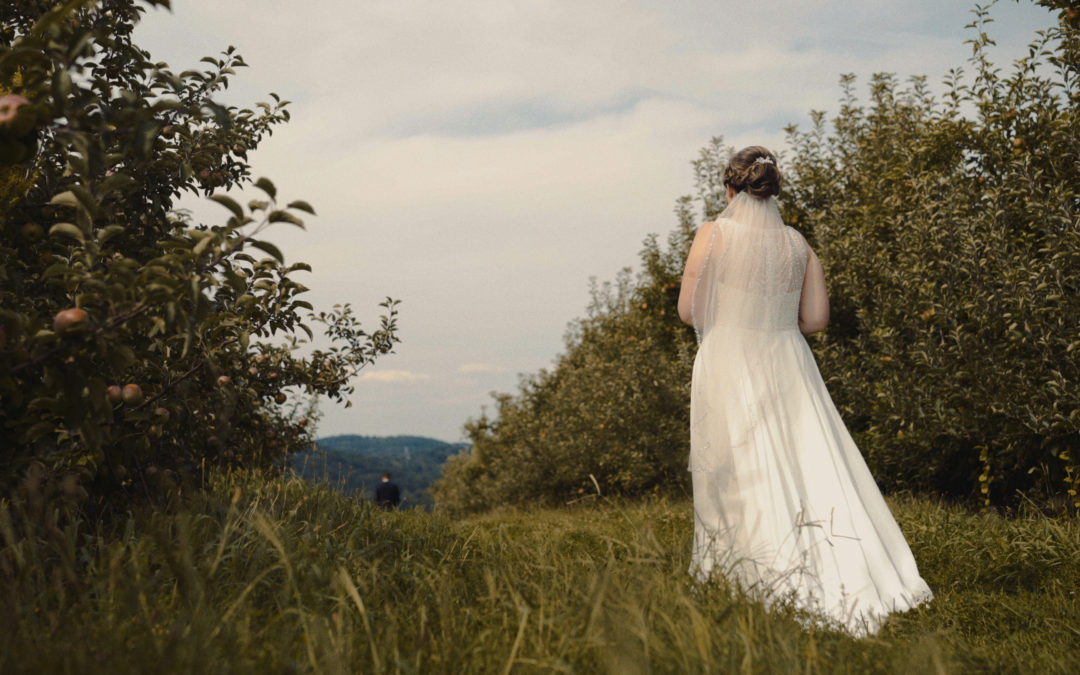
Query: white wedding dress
point(784, 504)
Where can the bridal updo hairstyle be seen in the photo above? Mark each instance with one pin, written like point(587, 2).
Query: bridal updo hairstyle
point(760, 179)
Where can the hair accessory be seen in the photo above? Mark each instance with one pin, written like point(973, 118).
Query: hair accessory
point(762, 159)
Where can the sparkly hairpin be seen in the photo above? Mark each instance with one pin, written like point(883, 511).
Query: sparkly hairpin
point(764, 160)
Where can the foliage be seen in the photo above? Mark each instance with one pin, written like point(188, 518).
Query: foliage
point(262, 575)
point(950, 234)
point(354, 464)
point(137, 348)
point(950, 237)
point(611, 415)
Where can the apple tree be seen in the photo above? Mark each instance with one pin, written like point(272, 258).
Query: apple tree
point(138, 348)
point(948, 227)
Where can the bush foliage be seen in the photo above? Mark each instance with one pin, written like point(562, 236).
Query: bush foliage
point(950, 236)
point(138, 348)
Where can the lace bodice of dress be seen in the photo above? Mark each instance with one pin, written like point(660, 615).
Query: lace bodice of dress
point(752, 276)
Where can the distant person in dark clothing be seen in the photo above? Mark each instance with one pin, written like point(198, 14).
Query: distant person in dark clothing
point(387, 495)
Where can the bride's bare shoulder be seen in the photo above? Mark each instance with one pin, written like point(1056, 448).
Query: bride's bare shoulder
point(705, 229)
point(711, 225)
point(797, 234)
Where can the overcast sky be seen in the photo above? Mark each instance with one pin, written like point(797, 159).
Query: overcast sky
point(481, 160)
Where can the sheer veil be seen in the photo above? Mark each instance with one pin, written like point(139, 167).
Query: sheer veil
point(752, 258)
point(748, 287)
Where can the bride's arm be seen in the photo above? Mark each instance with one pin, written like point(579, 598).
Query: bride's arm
point(814, 302)
point(698, 251)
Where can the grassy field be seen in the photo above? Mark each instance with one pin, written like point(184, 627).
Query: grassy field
point(280, 577)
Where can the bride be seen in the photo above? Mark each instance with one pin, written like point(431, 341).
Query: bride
point(784, 505)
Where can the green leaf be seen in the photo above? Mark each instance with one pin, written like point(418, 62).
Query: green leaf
point(115, 182)
point(145, 133)
point(189, 338)
point(203, 243)
point(109, 232)
point(301, 205)
point(86, 200)
point(66, 229)
point(37, 431)
point(66, 198)
point(76, 49)
point(55, 270)
point(230, 204)
point(285, 217)
point(61, 85)
point(266, 186)
point(268, 248)
point(220, 112)
point(235, 281)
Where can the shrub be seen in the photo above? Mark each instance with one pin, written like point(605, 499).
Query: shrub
point(949, 233)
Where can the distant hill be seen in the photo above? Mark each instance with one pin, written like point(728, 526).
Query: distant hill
point(355, 464)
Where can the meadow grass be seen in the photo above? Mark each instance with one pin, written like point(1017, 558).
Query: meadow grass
point(281, 576)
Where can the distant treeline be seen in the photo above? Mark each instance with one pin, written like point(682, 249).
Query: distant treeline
point(355, 464)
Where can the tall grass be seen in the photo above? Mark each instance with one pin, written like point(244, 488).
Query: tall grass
point(281, 576)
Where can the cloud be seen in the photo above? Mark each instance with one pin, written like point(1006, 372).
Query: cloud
point(393, 376)
point(471, 368)
point(481, 159)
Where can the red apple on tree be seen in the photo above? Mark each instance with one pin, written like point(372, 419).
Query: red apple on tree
point(65, 319)
point(32, 231)
point(17, 136)
point(9, 108)
point(114, 394)
point(132, 394)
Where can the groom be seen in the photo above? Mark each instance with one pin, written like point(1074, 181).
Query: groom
point(387, 495)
